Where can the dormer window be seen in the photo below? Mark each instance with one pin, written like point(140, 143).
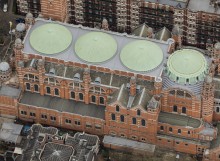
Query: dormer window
point(52, 71)
point(117, 108)
point(138, 112)
point(98, 80)
point(76, 76)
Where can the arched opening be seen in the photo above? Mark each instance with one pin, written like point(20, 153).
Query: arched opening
point(138, 112)
point(48, 90)
point(101, 100)
point(179, 131)
point(134, 121)
point(36, 88)
point(117, 108)
point(174, 108)
point(56, 92)
point(183, 109)
point(122, 118)
point(113, 116)
point(170, 129)
point(93, 99)
point(217, 109)
point(81, 96)
point(143, 122)
point(28, 86)
point(72, 95)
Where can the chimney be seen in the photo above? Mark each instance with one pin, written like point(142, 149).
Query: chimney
point(133, 86)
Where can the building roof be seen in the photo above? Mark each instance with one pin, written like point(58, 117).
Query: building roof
point(203, 5)
point(9, 91)
point(187, 66)
point(50, 38)
point(126, 143)
point(10, 132)
point(4, 66)
point(141, 30)
point(174, 3)
point(163, 34)
point(63, 105)
point(95, 47)
point(178, 120)
point(56, 152)
point(77, 31)
point(20, 27)
point(148, 55)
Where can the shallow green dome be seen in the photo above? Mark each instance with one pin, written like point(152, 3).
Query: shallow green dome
point(95, 47)
point(187, 66)
point(141, 55)
point(50, 38)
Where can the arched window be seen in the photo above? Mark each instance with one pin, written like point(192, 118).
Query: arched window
point(134, 121)
point(183, 109)
point(217, 109)
point(122, 118)
point(138, 112)
point(143, 122)
point(117, 108)
point(113, 116)
point(161, 128)
point(36, 88)
point(28, 86)
point(179, 131)
point(101, 100)
point(56, 92)
point(81, 96)
point(48, 90)
point(174, 108)
point(93, 99)
point(170, 129)
point(72, 95)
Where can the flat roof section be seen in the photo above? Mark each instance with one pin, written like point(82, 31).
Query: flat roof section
point(141, 55)
point(63, 105)
point(50, 38)
point(95, 47)
point(178, 120)
point(174, 3)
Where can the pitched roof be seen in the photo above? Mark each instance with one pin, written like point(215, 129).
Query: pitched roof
point(163, 34)
point(141, 30)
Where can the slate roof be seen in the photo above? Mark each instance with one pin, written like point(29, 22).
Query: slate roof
point(178, 120)
point(163, 34)
point(10, 91)
point(141, 30)
point(63, 105)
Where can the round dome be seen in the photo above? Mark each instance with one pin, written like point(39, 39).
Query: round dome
point(50, 38)
point(95, 47)
point(217, 45)
point(141, 55)
point(187, 66)
point(4, 66)
point(20, 27)
point(29, 15)
point(18, 41)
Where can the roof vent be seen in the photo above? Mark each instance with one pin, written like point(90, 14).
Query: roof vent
point(98, 80)
point(52, 71)
point(128, 85)
point(76, 76)
point(138, 88)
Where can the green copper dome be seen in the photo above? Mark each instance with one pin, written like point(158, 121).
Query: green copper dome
point(141, 55)
point(50, 38)
point(95, 47)
point(187, 66)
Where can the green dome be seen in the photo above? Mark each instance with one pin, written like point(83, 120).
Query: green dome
point(187, 66)
point(141, 55)
point(50, 38)
point(95, 47)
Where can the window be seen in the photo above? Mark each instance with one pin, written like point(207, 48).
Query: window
point(81, 96)
point(161, 128)
point(101, 100)
point(72, 95)
point(48, 90)
point(186, 144)
point(170, 129)
point(93, 99)
point(183, 109)
point(43, 116)
point(174, 108)
point(134, 121)
point(52, 118)
point(179, 131)
point(188, 132)
point(177, 142)
point(36, 88)
point(117, 108)
point(77, 122)
point(113, 116)
point(122, 118)
point(56, 92)
point(23, 112)
point(217, 109)
point(138, 112)
point(68, 121)
point(168, 141)
point(143, 122)
point(88, 125)
point(32, 114)
point(98, 127)
point(28, 86)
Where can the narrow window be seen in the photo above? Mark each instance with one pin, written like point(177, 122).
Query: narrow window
point(217, 109)
point(183, 109)
point(143, 122)
point(170, 129)
point(113, 116)
point(101, 100)
point(117, 108)
point(28, 86)
point(174, 108)
point(138, 112)
point(36, 88)
point(122, 118)
point(72, 95)
point(56, 92)
point(48, 90)
point(81, 96)
point(179, 131)
point(93, 99)
point(134, 121)
point(161, 128)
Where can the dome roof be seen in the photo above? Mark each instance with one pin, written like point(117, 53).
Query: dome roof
point(18, 41)
point(141, 55)
point(187, 66)
point(95, 47)
point(20, 27)
point(217, 45)
point(50, 38)
point(29, 15)
point(4, 66)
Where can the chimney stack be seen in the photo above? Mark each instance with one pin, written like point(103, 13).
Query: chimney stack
point(133, 86)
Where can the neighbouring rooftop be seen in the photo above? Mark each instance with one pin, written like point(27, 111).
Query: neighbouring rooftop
point(174, 3)
point(63, 105)
point(10, 91)
point(179, 120)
